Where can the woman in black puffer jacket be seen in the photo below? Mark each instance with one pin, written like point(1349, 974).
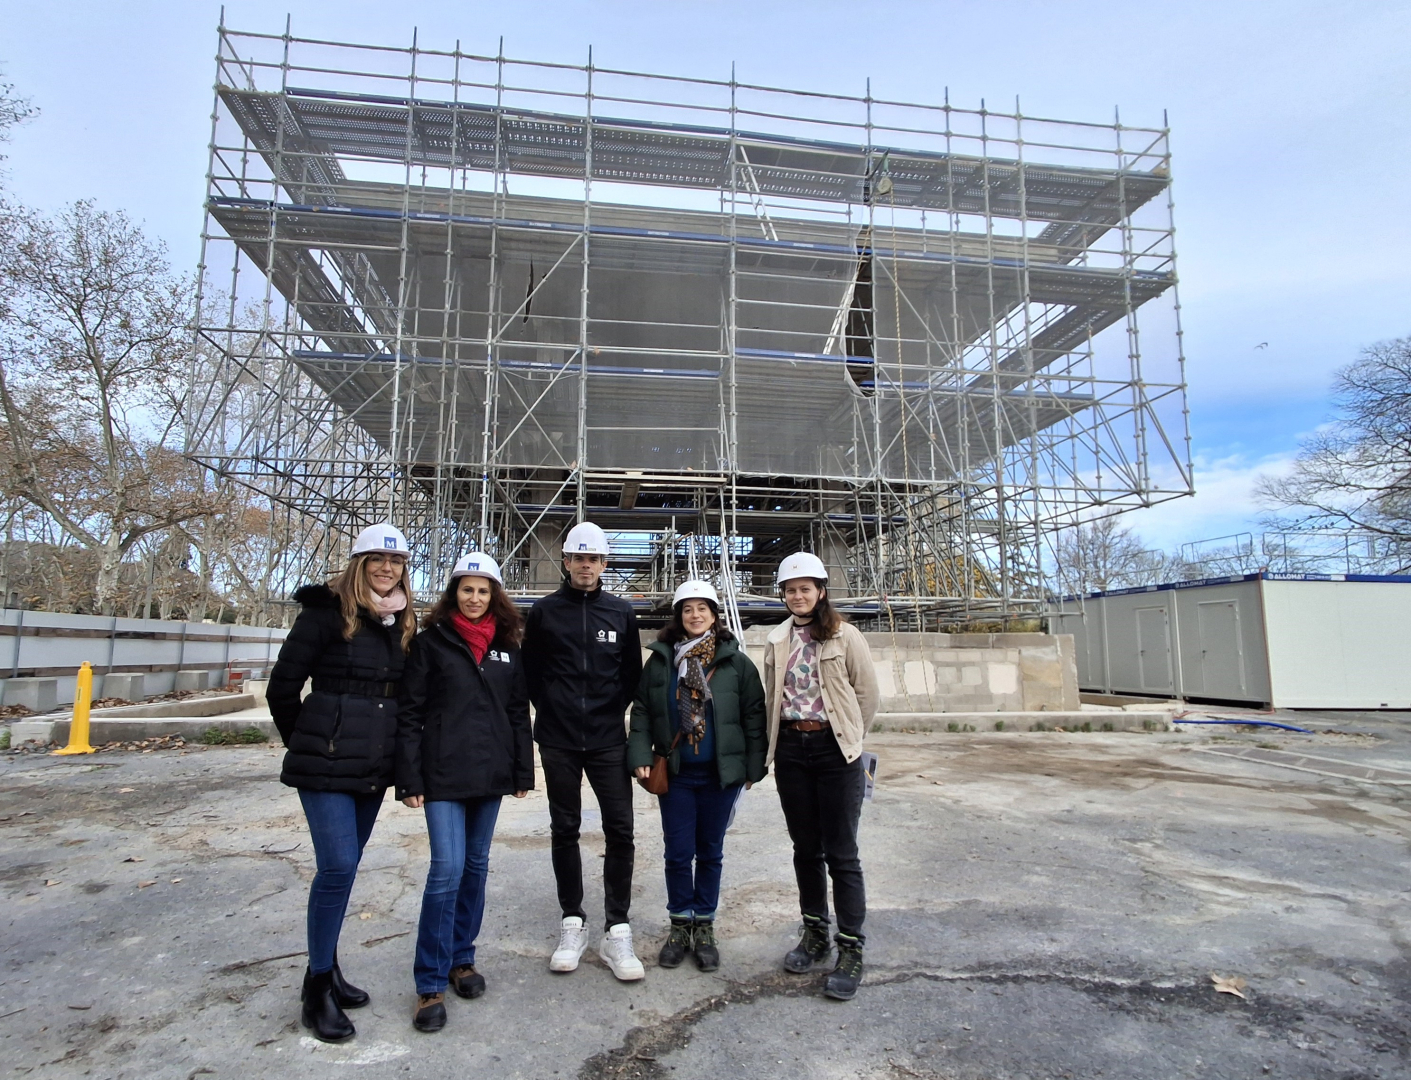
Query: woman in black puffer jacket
point(351, 639)
point(463, 743)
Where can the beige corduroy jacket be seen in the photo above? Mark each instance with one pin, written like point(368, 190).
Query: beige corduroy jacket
point(849, 684)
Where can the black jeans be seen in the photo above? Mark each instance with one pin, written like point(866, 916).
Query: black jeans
point(563, 780)
point(821, 795)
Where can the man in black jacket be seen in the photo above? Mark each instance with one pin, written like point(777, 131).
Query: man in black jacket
point(582, 657)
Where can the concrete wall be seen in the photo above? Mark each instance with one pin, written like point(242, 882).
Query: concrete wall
point(971, 673)
point(48, 644)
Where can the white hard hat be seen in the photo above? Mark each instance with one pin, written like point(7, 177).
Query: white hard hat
point(381, 537)
point(802, 565)
point(477, 564)
point(585, 538)
point(695, 590)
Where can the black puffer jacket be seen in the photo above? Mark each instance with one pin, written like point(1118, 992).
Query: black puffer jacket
point(341, 737)
point(582, 657)
point(462, 727)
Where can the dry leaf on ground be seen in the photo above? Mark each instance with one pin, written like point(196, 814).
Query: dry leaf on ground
point(144, 884)
point(1231, 984)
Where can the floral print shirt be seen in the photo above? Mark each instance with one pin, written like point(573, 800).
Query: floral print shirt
point(803, 688)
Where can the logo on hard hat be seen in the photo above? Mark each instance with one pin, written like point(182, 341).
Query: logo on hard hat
point(582, 547)
point(473, 566)
point(389, 542)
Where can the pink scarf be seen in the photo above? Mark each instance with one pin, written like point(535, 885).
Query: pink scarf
point(386, 607)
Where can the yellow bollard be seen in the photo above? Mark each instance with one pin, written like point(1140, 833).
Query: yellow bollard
point(78, 726)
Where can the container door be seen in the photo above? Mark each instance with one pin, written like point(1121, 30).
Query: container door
point(1221, 649)
point(1154, 649)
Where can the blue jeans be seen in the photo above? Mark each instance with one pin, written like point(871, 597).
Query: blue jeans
point(454, 901)
point(339, 824)
point(694, 813)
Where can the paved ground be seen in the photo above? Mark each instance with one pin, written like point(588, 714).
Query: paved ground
point(1042, 905)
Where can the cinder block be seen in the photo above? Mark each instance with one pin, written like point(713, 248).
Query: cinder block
point(193, 680)
point(38, 695)
point(127, 685)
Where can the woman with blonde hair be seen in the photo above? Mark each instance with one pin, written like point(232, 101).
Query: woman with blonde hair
point(351, 639)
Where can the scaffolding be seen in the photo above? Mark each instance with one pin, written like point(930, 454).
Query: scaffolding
point(486, 297)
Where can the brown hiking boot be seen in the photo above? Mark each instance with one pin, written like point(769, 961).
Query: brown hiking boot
point(467, 982)
point(430, 1012)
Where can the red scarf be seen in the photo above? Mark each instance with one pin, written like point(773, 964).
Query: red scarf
point(477, 635)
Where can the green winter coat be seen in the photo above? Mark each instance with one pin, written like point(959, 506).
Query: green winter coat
point(738, 699)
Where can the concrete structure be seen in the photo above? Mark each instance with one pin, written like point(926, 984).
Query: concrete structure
point(39, 695)
point(49, 646)
point(1297, 641)
point(966, 673)
point(128, 685)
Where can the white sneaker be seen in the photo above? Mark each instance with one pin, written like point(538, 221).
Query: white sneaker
point(573, 939)
point(616, 950)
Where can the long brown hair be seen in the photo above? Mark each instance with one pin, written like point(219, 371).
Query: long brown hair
point(826, 618)
point(509, 624)
point(355, 594)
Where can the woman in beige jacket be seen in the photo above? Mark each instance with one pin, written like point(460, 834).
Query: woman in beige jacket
point(822, 695)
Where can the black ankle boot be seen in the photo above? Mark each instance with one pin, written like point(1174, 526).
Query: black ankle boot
point(345, 993)
point(707, 954)
point(321, 1013)
point(678, 944)
point(843, 980)
point(812, 946)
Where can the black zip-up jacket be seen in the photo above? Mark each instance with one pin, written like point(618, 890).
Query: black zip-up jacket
point(340, 737)
point(462, 727)
point(582, 658)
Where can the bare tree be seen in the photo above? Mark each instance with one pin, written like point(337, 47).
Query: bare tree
point(1104, 554)
point(93, 354)
point(1357, 472)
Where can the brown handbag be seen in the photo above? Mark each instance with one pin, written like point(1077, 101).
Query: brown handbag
point(658, 781)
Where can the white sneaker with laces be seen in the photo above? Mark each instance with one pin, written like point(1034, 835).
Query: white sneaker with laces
point(616, 951)
point(573, 940)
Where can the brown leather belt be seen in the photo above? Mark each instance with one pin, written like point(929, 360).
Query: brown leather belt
point(805, 725)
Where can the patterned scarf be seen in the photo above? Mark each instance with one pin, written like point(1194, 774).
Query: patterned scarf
point(692, 687)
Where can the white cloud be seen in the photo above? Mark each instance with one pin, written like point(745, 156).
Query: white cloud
point(1223, 504)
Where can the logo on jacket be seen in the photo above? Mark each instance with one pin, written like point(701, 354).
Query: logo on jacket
point(502, 657)
point(602, 635)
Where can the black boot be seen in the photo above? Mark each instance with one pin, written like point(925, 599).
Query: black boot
point(678, 943)
point(321, 1013)
point(707, 955)
point(812, 946)
point(843, 980)
point(345, 993)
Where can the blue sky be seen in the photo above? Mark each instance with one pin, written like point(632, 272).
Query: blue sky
point(1291, 135)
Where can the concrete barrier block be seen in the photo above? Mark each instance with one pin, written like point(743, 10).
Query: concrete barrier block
point(38, 695)
point(193, 680)
point(31, 731)
point(128, 685)
point(256, 689)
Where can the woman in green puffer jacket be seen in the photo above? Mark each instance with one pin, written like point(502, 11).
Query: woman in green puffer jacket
point(700, 704)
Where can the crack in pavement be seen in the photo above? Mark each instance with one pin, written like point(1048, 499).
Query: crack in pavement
point(639, 1055)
